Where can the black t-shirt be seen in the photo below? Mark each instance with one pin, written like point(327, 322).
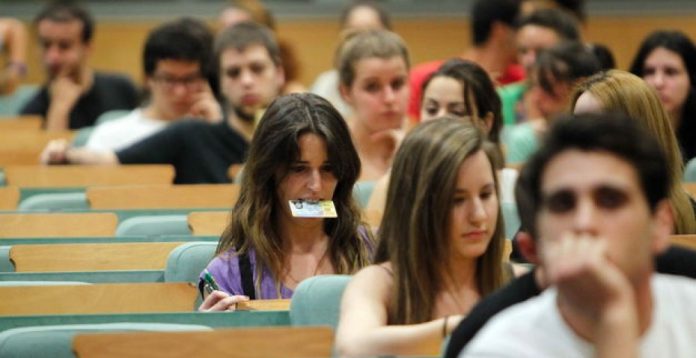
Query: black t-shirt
point(675, 261)
point(108, 92)
point(200, 152)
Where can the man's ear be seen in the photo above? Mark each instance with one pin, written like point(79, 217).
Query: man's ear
point(280, 77)
point(663, 226)
point(527, 246)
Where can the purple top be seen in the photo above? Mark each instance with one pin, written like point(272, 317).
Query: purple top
point(225, 270)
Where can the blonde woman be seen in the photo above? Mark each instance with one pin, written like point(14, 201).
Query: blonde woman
point(618, 91)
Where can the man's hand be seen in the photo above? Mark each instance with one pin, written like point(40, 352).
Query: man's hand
point(205, 106)
point(594, 295)
point(56, 152)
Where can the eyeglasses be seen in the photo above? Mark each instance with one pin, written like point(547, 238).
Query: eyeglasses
point(170, 82)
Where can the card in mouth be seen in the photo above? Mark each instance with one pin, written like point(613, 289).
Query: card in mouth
point(312, 208)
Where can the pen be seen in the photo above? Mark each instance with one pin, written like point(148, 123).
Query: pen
point(210, 284)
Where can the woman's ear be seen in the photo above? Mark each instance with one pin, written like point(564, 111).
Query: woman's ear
point(345, 94)
point(488, 121)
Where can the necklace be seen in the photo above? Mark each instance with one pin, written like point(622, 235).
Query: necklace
point(314, 273)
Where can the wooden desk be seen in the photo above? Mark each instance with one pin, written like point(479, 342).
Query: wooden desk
point(97, 298)
point(264, 305)
point(163, 196)
point(87, 175)
point(9, 198)
point(33, 225)
point(288, 342)
point(91, 257)
point(208, 223)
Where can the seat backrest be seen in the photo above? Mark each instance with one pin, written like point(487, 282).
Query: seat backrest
point(5, 263)
point(289, 342)
point(317, 300)
point(54, 202)
point(362, 191)
point(511, 218)
point(99, 298)
point(91, 257)
point(154, 225)
point(111, 115)
point(163, 196)
point(13, 103)
point(56, 341)
point(690, 171)
point(42, 176)
point(187, 261)
point(208, 223)
point(57, 224)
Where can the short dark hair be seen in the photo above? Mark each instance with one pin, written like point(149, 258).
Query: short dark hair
point(558, 21)
point(66, 11)
point(245, 34)
point(617, 135)
point(486, 12)
point(372, 5)
point(567, 61)
point(185, 39)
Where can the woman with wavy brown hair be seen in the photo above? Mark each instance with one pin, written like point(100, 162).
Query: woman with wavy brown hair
point(301, 151)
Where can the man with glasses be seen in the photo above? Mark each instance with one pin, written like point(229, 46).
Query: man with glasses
point(251, 76)
point(75, 95)
point(176, 61)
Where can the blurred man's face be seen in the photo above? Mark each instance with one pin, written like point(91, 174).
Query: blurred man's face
point(63, 51)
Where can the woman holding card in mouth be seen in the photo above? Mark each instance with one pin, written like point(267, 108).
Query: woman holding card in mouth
point(295, 216)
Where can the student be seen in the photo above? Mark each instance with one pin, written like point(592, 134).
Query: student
point(621, 92)
point(598, 189)
point(250, 78)
point(540, 30)
point(237, 11)
point(13, 43)
point(629, 96)
point(460, 90)
point(177, 59)
point(74, 95)
point(373, 73)
point(357, 16)
point(440, 246)
point(492, 30)
point(667, 61)
point(554, 74)
point(301, 151)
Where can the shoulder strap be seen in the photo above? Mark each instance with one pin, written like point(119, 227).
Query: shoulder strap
point(246, 276)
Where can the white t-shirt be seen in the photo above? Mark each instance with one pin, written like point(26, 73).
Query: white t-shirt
point(535, 328)
point(122, 132)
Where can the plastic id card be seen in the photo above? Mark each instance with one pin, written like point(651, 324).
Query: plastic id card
point(312, 209)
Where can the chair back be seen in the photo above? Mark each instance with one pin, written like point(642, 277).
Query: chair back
point(317, 300)
point(56, 341)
